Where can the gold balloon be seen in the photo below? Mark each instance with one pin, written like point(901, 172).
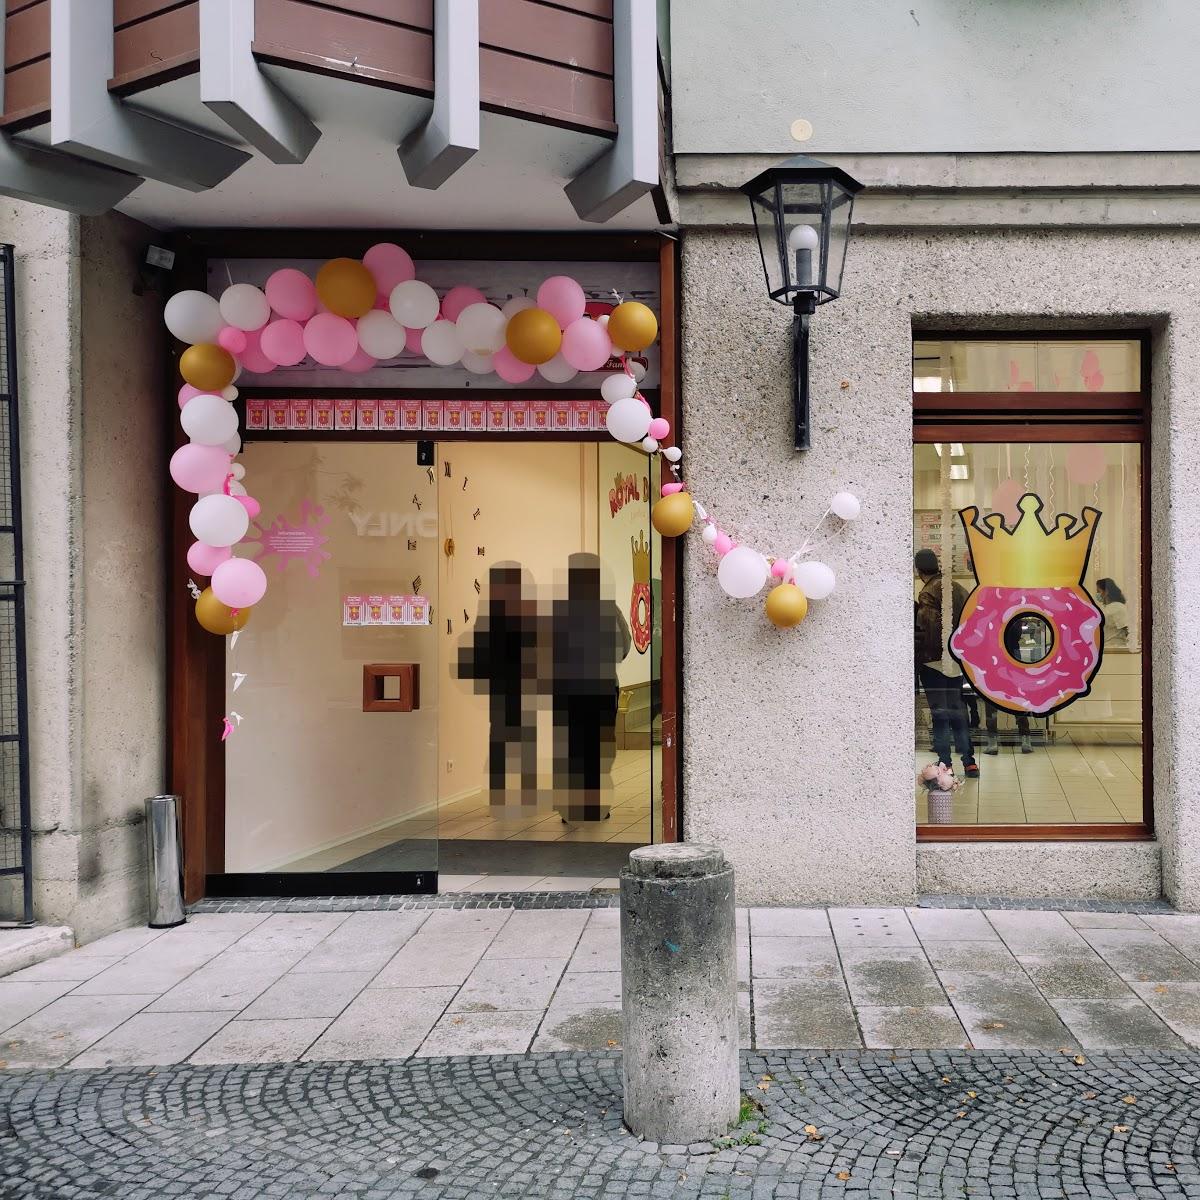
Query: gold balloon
point(207, 367)
point(632, 326)
point(217, 617)
point(786, 605)
point(346, 287)
point(533, 336)
point(672, 515)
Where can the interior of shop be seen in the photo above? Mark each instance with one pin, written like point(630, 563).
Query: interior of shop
point(456, 665)
point(1082, 762)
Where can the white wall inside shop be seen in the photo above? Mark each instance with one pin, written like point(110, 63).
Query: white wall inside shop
point(91, 392)
point(944, 76)
point(804, 772)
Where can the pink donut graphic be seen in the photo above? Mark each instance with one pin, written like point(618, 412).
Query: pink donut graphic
point(1036, 688)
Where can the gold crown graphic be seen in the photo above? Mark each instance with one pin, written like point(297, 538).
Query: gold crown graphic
point(1030, 555)
point(641, 558)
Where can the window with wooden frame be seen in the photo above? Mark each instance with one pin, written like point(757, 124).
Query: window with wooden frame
point(1030, 585)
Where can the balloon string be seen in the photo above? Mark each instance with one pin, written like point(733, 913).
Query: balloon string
point(806, 544)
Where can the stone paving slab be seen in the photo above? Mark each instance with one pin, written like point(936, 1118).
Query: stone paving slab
point(375, 983)
point(849, 1126)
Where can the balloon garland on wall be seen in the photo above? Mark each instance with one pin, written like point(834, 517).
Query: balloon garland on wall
point(355, 314)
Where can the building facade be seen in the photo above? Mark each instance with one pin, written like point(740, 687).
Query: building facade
point(1016, 318)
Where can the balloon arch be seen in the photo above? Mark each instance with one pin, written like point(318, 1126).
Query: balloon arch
point(357, 313)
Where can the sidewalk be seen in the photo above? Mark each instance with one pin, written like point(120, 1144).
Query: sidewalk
point(253, 987)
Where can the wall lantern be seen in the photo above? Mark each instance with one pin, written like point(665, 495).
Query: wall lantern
point(802, 213)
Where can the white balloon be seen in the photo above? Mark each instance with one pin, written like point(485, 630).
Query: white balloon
point(478, 364)
point(237, 471)
point(710, 534)
point(672, 454)
point(814, 579)
point(845, 505)
point(628, 419)
point(414, 304)
point(515, 305)
point(233, 444)
point(237, 371)
point(218, 520)
point(245, 307)
point(380, 335)
point(742, 572)
point(481, 327)
point(193, 317)
point(557, 370)
point(209, 420)
point(650, 445)
point(617, 386)
point(602, 320)
point(237, 489)
point(230, 393)
point(441, 343)
point(639, 371)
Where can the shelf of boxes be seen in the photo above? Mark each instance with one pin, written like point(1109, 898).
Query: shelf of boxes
point(425, 416)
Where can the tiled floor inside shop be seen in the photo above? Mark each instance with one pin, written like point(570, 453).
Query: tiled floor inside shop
point(476, 847)
point(1067, 782)
point(268, 987)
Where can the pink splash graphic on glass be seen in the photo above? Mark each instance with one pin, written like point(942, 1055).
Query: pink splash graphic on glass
point(1093, 376)
point(301, 539)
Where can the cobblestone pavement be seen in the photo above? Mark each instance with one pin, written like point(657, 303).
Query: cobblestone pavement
point(233, 987)
point(854, 1124)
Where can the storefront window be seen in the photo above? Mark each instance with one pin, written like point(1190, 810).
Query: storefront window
point(1028, 602)
point(1027, 366)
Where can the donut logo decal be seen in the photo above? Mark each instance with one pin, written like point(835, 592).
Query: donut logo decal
point(1030, 637)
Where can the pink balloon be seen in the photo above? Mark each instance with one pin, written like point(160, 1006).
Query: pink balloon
point(330, 340)
point(198, 468)
point(283, 342)
point(585, 345)
point(389, 265)
point(231, 339)
point(252, 358)
point(252, 506)
point(669, 489)
point(292, 294)
point(361, 362)
point(458, 298)
point(239, 582)
point(412, 341)
point(660, 428)
point(186, 393)
point(1004, 500)
point(563, 299)
point(1086, 463)
point(723, 544)
point(781, 568)
point(204, 560)
point(510, 368)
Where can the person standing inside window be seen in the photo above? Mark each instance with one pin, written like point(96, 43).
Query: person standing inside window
point(1116, 615)
point(937, 672)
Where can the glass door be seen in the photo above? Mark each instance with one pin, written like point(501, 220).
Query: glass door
point(332, 690)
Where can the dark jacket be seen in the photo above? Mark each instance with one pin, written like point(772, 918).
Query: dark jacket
point(930, 637)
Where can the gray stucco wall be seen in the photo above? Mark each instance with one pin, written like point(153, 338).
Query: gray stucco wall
point(935, 75)
point(91, 402)
point(798, 745)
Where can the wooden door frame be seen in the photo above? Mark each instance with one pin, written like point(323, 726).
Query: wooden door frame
point(196, 659)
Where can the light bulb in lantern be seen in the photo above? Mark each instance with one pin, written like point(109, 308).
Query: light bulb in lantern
point(803, 237)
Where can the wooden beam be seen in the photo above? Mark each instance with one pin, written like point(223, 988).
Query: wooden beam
point(86, 121)
point(233, 86)
point(432, 152)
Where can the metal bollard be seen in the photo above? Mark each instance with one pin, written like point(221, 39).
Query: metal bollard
point(679, 994)
point(164, 862)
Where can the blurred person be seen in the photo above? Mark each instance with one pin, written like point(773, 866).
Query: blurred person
point(1116, 614)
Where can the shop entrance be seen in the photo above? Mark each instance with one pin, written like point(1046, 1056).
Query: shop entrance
point(454, 681)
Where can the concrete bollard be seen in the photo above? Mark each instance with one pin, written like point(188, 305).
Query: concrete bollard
point(679, 994)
